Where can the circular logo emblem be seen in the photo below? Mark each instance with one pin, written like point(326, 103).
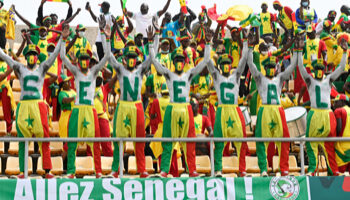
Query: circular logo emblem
point(284, 188)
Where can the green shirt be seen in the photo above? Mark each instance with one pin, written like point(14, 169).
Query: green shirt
point(66, 94)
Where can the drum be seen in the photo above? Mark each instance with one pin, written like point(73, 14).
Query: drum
point(246, 115)
point(296, 121)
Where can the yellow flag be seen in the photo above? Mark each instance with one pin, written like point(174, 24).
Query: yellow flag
point(10, 28)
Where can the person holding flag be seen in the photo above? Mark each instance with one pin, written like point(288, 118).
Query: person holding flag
point(321, 121)
point(83, 121)
point(33, 117)
point(271, 120)
point(229, 120)
point(178, 117)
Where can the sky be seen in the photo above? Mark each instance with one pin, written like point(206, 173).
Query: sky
point(28, 8)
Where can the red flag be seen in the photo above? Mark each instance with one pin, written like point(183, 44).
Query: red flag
point(212, 13)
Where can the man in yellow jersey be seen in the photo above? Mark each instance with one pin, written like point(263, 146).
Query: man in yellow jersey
point(266, 19)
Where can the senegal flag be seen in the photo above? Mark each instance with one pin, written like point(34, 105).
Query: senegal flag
point(83, 122)
point(64, 1)
point(10, 28)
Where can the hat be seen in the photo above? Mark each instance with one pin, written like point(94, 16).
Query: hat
point(137, 34)
point(340, 97)
point(310, 28)
point(51, 45)
point(318, 64)
point(84, 52)
point(31, 48)
point(264, 3)
point(130, 51)
point(164, 41)
point(164, 89)
point(130, 42)
point(105, 3)
point(47, 18)
point(271, 60)
point(42, 28)
point(327, 23)
point(276, 2)
point(225, 58)
point(200, 47)
point(119, 18)
point(65, 77)
point(80, 27)
point(178, 53)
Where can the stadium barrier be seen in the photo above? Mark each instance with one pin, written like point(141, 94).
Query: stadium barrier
point(302, 140)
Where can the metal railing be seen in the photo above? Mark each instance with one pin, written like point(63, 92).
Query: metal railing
point(208, 139)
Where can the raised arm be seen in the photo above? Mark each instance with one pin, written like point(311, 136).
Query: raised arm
point(40, 13)
point(69, 20)
point(334, 75)
point(243, 61)
point(301, 67)
point(255, 72)
point(161, 12)
point(211, 68)
point(48, 63)
point(130, 14)
point(70, 10)
point(13, 64)
point(287, 72)
point(88, 8)
point(20, 49)
point(63, 56)
point(106, 48)
point(21, 17)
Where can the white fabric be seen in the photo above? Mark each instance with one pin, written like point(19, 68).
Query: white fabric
point(142, 22)
point(108, 18)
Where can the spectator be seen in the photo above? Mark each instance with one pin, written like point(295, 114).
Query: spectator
point(143, 19)
point(188, 18)
point(305, 15)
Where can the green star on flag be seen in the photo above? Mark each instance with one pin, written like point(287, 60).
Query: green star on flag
point(282, 16)
point(159, 85)
point(85, 123)
point(126, 121)
point(203, 86)
point(234, 48)
point(180, 123)
point(196, 125)
point(230, 122)
point(29, 121)
point(265, 19)
point(3, 69)
point(272, 124)
point(77, 45)
point(320, 131)
point(42, 45)
point(312, 47)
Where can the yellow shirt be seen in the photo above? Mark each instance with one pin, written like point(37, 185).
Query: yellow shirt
point(79, 43)
point(3, 69)
point(4, 15)
point(266, 23)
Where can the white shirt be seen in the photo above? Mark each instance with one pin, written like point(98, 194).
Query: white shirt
point(142, 22)
point(108, 18)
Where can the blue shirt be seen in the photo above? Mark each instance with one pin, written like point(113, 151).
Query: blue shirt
point(170, 31)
